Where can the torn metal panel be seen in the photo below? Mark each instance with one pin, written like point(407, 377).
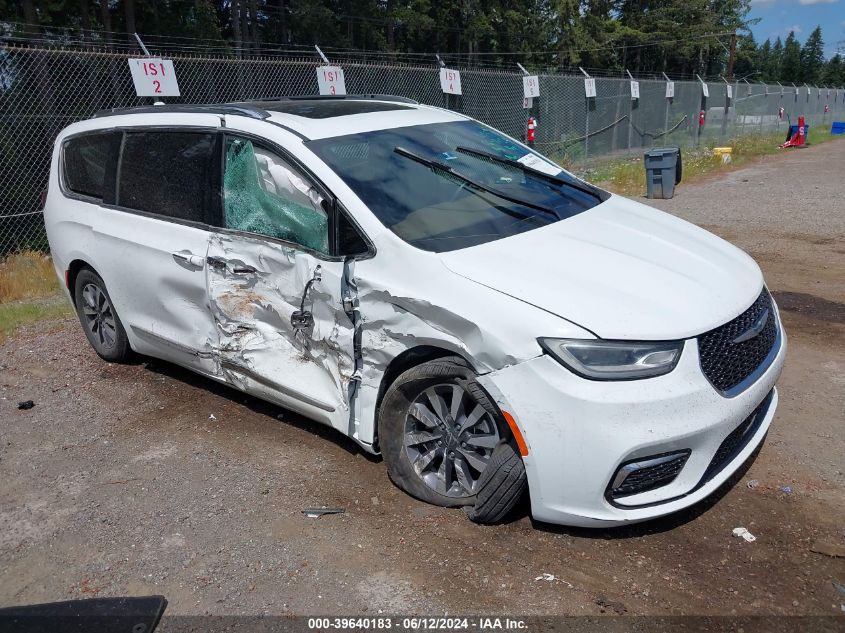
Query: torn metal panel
point(457, 317)
point(255, 289)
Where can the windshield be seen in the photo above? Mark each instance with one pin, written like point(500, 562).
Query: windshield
point(446, 186)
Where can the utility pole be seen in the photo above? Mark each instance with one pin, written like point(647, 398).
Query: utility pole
point(731, 56)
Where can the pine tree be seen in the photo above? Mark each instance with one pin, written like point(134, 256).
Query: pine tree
point(764, 59)
point(834, 72)
point(812, 56)
point(790, 65)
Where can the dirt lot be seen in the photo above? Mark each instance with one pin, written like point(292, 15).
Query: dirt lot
point(145, 479)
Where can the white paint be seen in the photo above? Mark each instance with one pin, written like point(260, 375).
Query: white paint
point(623, 270)
point(620, 270)
point(331, 80)
point(154, 77)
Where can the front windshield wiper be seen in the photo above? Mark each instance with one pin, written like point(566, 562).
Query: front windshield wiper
point(529, 170)
point(438, 166)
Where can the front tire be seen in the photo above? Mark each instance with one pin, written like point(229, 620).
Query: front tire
point(445, 442)
point(99, 319)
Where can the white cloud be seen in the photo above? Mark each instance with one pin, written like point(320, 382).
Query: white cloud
point(817, 1)
point(794, 28)
point(764, 3)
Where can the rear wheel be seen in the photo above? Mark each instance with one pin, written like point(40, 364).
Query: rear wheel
point(441, 434)
point(99, 319)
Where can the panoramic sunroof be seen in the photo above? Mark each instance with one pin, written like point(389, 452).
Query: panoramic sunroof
point(327, 108)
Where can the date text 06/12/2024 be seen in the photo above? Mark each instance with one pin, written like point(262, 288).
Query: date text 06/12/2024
point(418, 623)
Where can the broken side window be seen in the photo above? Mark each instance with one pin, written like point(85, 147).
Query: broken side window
point(263, 194)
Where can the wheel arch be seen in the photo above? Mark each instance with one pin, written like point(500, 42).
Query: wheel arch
point(72, 272)
point(404, 361)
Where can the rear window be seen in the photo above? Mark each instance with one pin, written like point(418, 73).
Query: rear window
point(87, 160)
point(167, 173)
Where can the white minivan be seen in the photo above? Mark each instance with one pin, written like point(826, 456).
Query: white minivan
point(432, 288)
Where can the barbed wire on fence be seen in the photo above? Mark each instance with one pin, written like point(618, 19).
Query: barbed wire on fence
point(44, 89)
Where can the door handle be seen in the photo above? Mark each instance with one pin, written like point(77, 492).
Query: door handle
point(189, 258)
point(244, 269)
point(234, 266)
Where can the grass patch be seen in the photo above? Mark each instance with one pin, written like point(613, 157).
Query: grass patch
point(29, 291)
point(13, 315)
point(627, 176)
point(27, 275)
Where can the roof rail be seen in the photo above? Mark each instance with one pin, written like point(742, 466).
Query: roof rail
point(373, 96)
point(244, 109)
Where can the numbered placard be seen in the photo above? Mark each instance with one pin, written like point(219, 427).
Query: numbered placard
point(635, 90)
point(589, 87)
point(527, 102)
point(531, 86)
point(330, 80)
point(705, 90)
point(670, 89)
point(450, 81)
point(730, 91)
point(154, 77)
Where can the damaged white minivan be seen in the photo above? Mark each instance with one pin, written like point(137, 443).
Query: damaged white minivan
point(432, 288)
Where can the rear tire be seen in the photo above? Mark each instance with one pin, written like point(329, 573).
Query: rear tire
point(445, 442)
point(99, 319)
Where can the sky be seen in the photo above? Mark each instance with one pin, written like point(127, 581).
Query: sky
point(779, 17)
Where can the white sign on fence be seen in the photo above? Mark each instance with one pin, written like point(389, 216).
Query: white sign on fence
point(154, 77)
point(635, 90)
point(670, 89)
point(527, 102)
point(730, 91)
point(705, 90)
point(531, 86)
point(589, 87)
point(450, 81)
point(330, 80)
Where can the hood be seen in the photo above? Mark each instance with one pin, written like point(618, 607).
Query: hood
point(622, 270)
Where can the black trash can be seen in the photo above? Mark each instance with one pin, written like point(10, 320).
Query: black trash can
point(662, 171)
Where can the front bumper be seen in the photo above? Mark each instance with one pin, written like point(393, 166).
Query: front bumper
point(580, 431)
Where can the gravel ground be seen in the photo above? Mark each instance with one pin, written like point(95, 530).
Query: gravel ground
point(138, 479)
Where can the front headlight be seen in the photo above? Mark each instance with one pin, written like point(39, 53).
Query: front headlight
point(614, 360)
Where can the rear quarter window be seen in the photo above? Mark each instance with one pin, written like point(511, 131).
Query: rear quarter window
point(87, 160)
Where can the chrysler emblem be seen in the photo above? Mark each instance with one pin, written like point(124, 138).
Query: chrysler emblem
point(755, 328)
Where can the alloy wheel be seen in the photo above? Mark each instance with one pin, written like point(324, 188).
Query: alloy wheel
point(99, 317)
point(449, 439)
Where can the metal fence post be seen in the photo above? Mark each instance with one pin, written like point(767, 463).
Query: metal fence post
point(668, 100)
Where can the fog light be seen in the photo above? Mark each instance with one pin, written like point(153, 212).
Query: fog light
point(647, 473)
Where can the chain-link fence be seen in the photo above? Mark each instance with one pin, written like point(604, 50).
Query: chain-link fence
point(43, 90)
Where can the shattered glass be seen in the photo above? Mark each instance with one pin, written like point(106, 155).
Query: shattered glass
point(261, 194)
